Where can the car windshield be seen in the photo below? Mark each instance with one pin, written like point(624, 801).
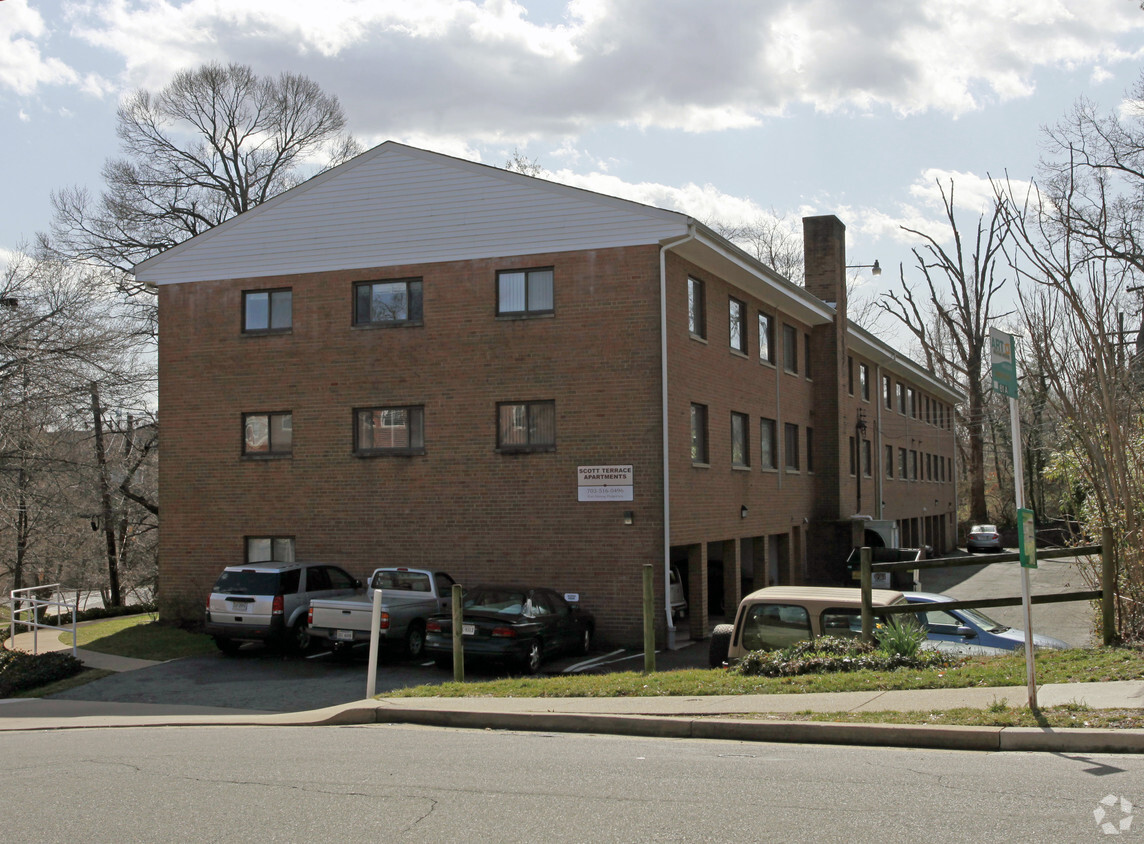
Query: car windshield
point(502, 601)
point(247, 583)
point(984, 622)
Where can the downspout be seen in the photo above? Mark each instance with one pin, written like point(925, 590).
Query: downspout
point(880, 477)
point(664, 414)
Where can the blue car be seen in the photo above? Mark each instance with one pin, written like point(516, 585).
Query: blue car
point(972, 627)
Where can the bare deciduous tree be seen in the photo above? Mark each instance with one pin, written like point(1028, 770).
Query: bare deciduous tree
point(950, 321)
point(217, 141)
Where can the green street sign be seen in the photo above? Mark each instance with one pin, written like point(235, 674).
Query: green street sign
point(1027, 539)
point(1004, 361)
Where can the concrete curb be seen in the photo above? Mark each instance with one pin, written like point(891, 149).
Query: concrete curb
point(989, 739)
point(1037, 739)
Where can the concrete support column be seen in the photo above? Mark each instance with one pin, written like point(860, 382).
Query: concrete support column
point(732, 576)
point(760, 554)
point(697, 590)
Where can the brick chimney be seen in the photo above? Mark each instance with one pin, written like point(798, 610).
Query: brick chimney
point(828, 537)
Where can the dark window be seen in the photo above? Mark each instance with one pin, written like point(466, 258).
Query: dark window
point(699, 434)
point(740, 437)
point(768, 627)
point(696, 308)
point(267, 311)
point(913, 465)
point(738, 316)
point(270, 549)
point(769, 444)
point(526, 426)
point(389, 430)
point(901, 398)
point(790, 349)
point(903, 465)
point(850, 375)
point(525, 291)
point(395, 302)
point(867, 458)
point(864, 380)
point(888, 392)
point(853, 457)
point(810, 449)
point(912, 401)
point(806, 355)
point(766, 338)
point(267, 433)
point(791, 444)
point(889, 459)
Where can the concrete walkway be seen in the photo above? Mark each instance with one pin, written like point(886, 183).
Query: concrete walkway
point(44, 641)
point(728, 717)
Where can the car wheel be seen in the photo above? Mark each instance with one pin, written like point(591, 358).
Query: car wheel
point(227, 646)
point(415, 641)
point(586, 641)
point(720, 645)
point(300, 637)
point(531, 661)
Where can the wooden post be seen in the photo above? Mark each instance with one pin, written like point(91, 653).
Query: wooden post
point(458, 609)
point(867, 556)
point(1108, 586)
point(648, 618)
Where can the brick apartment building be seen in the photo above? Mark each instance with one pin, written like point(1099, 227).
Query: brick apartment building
point(417, 360)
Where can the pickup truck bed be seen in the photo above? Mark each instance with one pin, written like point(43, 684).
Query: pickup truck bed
point(408, 598)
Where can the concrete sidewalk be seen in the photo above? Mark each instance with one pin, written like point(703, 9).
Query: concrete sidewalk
point(727, 717)
point(49, 640)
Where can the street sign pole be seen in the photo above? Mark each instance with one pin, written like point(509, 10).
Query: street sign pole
point(1004, 366)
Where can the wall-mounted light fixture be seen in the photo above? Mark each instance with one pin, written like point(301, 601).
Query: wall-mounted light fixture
point(874, 268)
point(743, 512)
point(629, 517)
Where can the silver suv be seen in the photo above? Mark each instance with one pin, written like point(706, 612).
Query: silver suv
point(267, 602)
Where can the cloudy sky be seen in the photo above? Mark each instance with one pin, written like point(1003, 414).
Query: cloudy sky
point(723, 109)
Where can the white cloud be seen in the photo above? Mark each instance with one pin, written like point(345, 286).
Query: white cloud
point(489, 71)
point(23, 65)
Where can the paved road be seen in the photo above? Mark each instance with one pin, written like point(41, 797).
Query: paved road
point(1072, 621)
point(443, 785)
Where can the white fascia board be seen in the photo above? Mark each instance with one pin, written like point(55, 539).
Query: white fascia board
point(715, 253)
point(865, 344)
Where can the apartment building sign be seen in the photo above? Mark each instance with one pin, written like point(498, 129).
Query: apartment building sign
point(604, 483)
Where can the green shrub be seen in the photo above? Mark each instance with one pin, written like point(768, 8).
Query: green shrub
point(900, 636)
point(832, 654)
point(20, 671)
point(65, 619)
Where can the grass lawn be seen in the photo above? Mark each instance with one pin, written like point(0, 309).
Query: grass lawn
point(1076, 665)
point(141, 637)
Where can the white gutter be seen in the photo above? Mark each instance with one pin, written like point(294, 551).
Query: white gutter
point(664, 419)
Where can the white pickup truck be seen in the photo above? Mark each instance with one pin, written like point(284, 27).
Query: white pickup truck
point(408, 598)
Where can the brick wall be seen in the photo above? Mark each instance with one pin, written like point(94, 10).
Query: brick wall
point(461, 507)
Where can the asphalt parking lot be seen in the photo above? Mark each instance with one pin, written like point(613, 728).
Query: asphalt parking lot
point(265, 680)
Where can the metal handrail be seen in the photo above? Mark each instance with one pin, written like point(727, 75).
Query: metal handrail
point(26, 601)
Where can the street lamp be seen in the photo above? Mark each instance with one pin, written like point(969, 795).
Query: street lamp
point(874, 268)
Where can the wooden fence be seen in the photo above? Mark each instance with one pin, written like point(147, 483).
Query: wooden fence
point(1106, 594)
